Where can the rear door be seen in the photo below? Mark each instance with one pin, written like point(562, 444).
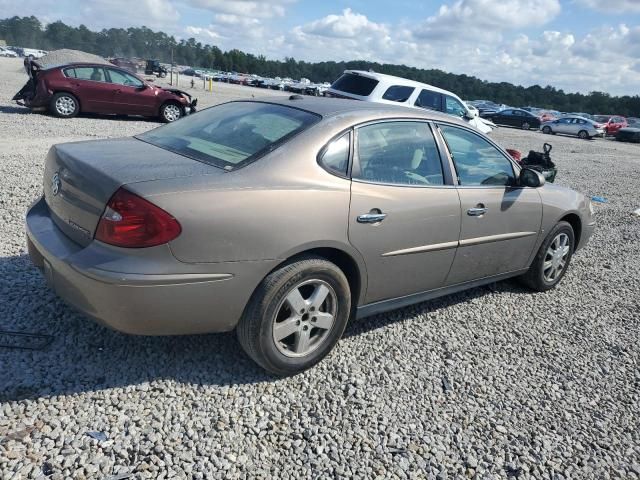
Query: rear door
point(131, 96)
point(500, 221)
point(564, 126)
point(91, 86)
point(405, 213)
point(429, 100)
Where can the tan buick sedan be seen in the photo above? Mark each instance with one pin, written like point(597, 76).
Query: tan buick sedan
point(286, 219)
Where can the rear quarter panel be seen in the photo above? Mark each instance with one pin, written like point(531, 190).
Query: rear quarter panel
point(271, 209)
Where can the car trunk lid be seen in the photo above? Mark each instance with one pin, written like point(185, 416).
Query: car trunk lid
point(81, 177)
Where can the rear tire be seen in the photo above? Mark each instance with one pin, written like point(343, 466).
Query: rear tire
point(526, 126)
point(549, 266)
point(583, 134)
point(288, 326)
point(546, 130)
point(64, 105)
point(170, 112)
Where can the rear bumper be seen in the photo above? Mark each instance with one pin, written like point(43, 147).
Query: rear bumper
point(150, 301)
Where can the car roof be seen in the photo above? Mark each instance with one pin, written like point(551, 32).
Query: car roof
point(332, 107)
point(391, 79)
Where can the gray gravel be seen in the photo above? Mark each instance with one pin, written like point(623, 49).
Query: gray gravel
point(493, 383)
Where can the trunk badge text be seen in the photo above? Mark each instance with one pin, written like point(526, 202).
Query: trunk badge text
point(55, 184)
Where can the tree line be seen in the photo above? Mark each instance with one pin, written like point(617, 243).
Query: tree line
point(143, 42)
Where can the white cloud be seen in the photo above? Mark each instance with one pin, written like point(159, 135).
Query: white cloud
point(244, 8)
point(347, 25)
point(487, 17)
point(235, 20)
point(205, 34)
point(614, 8)
point(150, 13)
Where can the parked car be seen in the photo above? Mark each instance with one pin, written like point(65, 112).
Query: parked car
point(261, 216)
point(6, 52)
point(633, 122)
point(380, 88)
point(611, 123)
point(545, 116)
point(70, 89)
point(628, 134)
point(515, 117)
point(578, 126)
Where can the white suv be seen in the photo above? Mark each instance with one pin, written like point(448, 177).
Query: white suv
point(377, 87)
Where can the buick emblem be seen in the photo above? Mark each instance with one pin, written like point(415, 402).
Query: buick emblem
point(55, 183)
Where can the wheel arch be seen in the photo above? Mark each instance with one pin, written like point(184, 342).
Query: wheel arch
point(352, 266)
point(573, 219)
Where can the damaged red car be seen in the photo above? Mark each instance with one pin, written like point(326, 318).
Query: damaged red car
point(73, 88)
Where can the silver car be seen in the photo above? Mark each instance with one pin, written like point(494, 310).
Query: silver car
point(286, 219)
point(580, 127)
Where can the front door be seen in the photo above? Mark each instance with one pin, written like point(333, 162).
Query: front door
point(500, 221)
point(132, 96)
point(405, 212)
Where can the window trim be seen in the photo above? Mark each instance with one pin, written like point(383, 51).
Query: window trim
point(447, 177)
point(429, 109)
point(348, 131)
point(516, 168)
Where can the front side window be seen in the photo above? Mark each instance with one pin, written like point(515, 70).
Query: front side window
point(429, 100)
point(477, 162)
point(95, 74)
point(232, 134)
point(355, 84)
point(335, 157)
point(399, 153)
point(122, 78)
point(453, 106)
point(398, 93)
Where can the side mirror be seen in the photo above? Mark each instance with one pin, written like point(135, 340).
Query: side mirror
point(469, 115)
point(531, 178)
point(144, 86)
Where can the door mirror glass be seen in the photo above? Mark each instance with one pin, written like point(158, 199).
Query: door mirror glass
point(531, 178)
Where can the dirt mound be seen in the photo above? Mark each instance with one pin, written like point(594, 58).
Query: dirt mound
point(64, 56)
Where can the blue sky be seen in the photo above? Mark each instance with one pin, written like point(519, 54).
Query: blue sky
point(577, 45)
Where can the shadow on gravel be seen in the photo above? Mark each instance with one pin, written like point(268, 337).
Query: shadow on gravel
point(84, 357)
point(382, 320)
point(15, 109)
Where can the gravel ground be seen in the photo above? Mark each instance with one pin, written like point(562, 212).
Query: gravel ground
point(492, 383)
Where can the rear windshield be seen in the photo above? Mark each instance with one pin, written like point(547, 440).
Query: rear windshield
point(232, 134)
point(355, 84)
point(398, 93)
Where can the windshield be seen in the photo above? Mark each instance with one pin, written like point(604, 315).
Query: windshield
point(233, 134)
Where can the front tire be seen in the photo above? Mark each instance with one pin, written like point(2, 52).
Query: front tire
point(546, 130)
point(170, 112)
point(552, 260)
point(296, 316)
point(64, 105)
point(526, 126)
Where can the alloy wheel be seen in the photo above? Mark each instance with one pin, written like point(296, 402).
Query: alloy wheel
point(171, 112)
point(526, 126)
point(65, 105)
point(304, 318)
point(556, 257)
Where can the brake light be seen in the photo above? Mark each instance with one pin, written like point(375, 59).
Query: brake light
point(131, 221)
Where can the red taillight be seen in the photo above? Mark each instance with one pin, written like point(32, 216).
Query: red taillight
point(133, 222)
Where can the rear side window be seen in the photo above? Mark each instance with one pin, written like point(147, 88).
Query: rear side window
point(335, 156)
point(90, 73)
point(399, 153)
point(355, 84)
point(70, 72)
point(429, 100)
point(232, 134)
point(398, 93)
